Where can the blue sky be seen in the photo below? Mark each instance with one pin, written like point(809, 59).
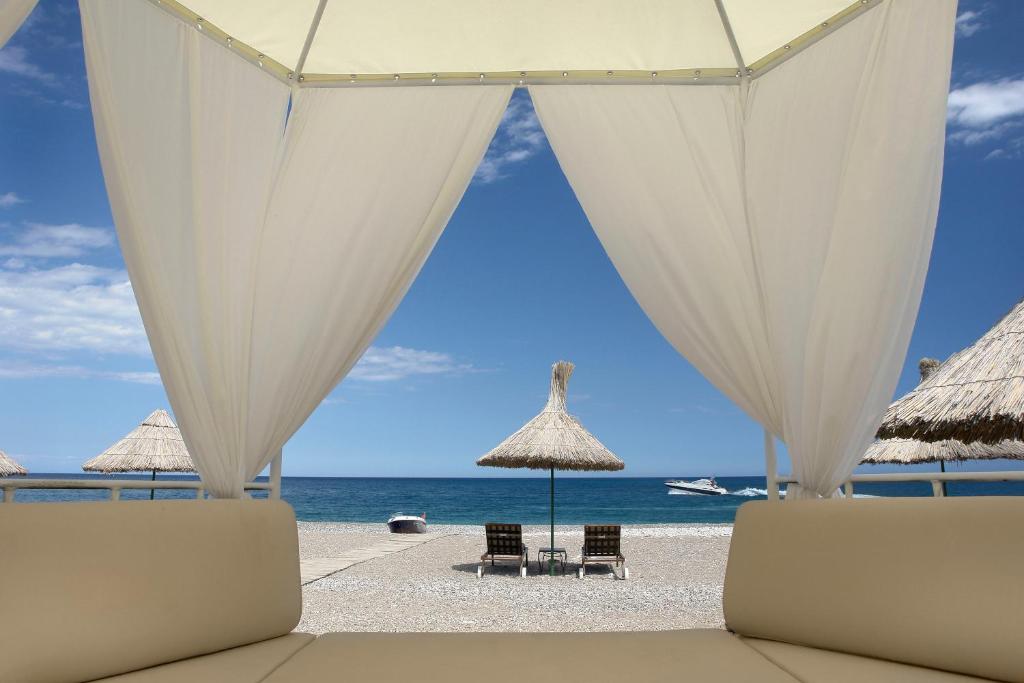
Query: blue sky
point(517, 281)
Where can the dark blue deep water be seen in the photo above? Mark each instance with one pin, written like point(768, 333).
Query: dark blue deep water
point(613, 500)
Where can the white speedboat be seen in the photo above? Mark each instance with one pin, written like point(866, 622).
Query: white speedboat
point(707, 487)
point(401, 523)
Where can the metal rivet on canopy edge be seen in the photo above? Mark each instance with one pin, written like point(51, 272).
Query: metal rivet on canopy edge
point(301, 79)
point(565, 74)
point(433, 78)
point(199, 23)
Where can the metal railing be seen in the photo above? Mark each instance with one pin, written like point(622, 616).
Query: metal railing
point(115, 486)
point(936, 479)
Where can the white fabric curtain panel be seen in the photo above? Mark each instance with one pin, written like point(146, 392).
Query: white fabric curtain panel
point(778, 234)
point(13, 14)
point(266, 247)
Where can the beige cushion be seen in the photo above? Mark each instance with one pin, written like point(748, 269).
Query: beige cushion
point(811, 665)
point(246, 664)
point(932, 582)
point(95, 589)
point(652, 657)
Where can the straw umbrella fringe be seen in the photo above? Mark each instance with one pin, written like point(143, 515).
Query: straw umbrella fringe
point(10, 468)
point(553, 440)
point(154, 446)
point(912, 451)
point(976, 395)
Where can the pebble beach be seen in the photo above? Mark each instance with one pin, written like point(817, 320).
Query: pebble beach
point(676, 577)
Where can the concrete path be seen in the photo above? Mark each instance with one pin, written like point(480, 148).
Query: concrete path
point(318, 568)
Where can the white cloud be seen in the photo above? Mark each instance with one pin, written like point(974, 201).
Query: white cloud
point(14, 60)
point(383, 364)
point(1014, 149)
point(518, 138)
point(37, 96)
point(980, 105)
point(970, 22)
point(976, 136)
point(50, 312)
point(70, 308)
point(988, 112)
point(10, 199)
point(71, 240)
point(12, 370)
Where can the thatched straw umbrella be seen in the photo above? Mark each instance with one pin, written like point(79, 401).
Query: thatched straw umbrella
point(976, 395)
point(553, 440)
point(9, 468)
point(911, 451)
point(154, 446)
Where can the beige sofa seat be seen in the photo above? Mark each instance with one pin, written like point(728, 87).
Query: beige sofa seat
point(246, 664)
point(811, 665)
point(931, 582)
point(915, 590)
point(90, 590)
point(707, 656)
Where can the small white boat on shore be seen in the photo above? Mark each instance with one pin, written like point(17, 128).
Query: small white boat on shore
point(707, 487)
point(401, 523)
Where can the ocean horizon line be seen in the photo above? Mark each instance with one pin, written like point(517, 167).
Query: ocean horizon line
point(560, 474)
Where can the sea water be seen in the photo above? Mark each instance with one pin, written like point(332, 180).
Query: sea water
point(524, 500)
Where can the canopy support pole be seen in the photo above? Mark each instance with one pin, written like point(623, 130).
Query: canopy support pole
point(551, 557)
point(741, 66)
point(771, 466)
point(275, 476)
point(152, 491)
point(313, 26)
point(942, 468)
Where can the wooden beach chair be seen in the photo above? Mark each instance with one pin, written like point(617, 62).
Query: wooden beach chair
point(504, 543)
point(602, 545)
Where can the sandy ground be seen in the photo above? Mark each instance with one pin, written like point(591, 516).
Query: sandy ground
point(676, 575)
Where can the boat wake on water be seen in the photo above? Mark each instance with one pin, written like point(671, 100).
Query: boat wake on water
point(751, 492)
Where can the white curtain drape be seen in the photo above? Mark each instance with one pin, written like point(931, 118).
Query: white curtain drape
point(266, 247)
point(778, 235)
point(13, 14)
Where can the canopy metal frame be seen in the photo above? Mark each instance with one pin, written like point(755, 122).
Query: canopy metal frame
point(696, 76)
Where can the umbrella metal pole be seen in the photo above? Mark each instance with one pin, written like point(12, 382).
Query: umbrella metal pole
point(551, 557)
point(152, 491)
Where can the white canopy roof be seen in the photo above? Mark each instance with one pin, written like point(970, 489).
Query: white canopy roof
point(345, 40)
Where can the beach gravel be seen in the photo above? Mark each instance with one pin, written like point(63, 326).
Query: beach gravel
point(676, 576)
